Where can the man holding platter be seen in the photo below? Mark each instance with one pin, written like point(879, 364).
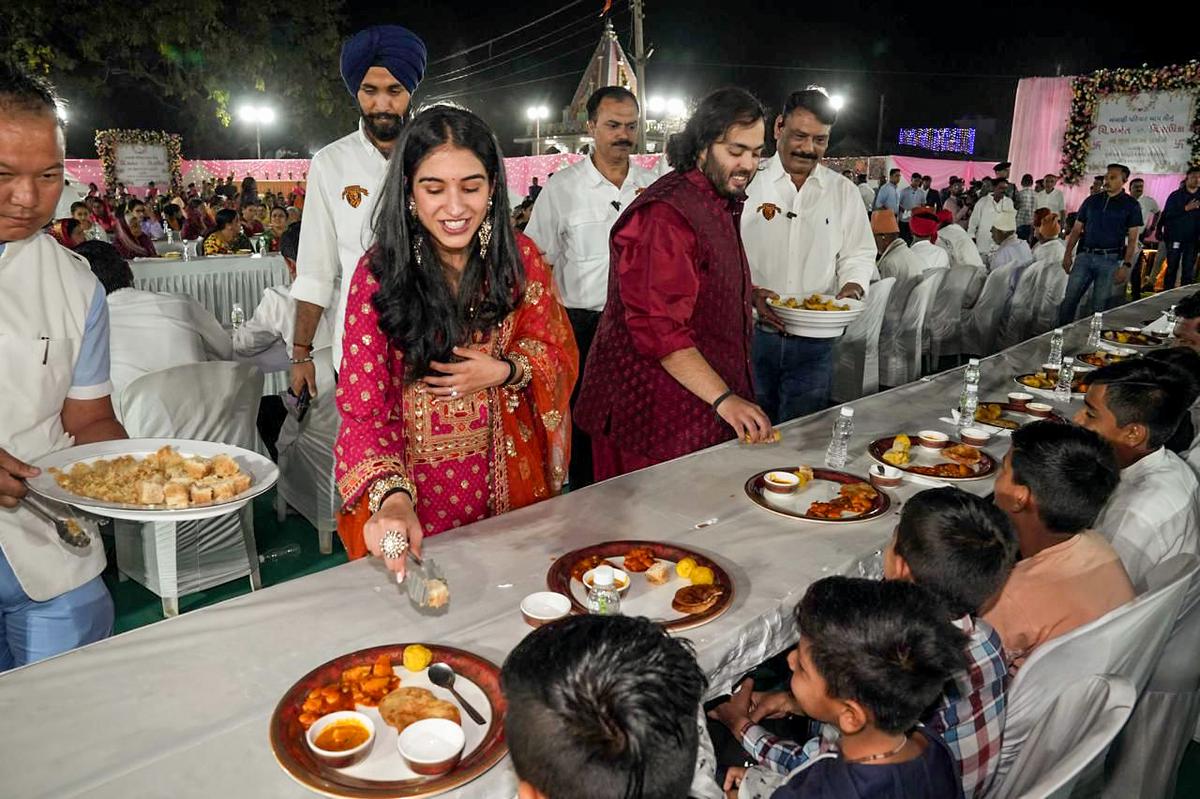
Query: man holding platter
point(54, 347)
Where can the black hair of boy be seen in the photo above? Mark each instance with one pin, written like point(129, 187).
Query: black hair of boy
point(886, 644)
point(959, 547)
point(1070, 471)
point(1140, 391)
point(603, 707)
point(108, 266)
point(289, 242)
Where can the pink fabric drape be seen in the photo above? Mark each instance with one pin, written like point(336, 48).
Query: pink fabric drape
point(940, 169)
point(1039, 122)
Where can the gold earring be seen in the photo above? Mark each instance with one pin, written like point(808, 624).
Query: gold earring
point(418, 244)
point(485, 232)
point(412, 207)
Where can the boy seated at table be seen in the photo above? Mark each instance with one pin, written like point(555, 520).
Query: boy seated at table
point(961, 548)
point(1052, 484)
point(1154, 514)
point(605, 707)
point(872, 656)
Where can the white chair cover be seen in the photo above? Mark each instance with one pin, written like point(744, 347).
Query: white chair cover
point(900, 263)
point(1074, 733)
point(982, 324)
point(1145, 760)
point(1016, 325)
point(856, 353)
point(1051, 287)
point(959, 292)
point(914, 326)
point(306, 480)
point(1126, 642)
point(214, 401)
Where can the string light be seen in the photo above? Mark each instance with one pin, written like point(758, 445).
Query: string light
point(942, 140)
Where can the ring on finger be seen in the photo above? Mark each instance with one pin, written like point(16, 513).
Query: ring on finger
point(393, 545)
point(453, 392)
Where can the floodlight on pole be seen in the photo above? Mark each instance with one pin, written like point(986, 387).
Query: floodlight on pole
point(837, 101)
point(536, 113)
point(258, 115)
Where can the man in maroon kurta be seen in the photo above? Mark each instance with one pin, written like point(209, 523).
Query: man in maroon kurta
point(669, 372)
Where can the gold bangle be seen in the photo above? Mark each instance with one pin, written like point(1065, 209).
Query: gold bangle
point(386, 485)
point(526, 372)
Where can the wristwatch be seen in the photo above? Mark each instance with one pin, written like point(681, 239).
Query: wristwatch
point(1126, 265)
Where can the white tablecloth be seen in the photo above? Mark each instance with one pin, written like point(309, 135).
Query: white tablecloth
point(186, 702)
point(216, 281)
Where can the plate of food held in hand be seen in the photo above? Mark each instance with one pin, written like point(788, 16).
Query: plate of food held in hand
point(1043, 382)
point(677, 587)
point(1008, 415)
point(827, 496)
point(817, 315)
point(419, 740)
point(1131, 337)
point(951, 460)
point(154, 479)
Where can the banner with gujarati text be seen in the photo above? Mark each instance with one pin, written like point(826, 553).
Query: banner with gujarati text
point(1147, 132)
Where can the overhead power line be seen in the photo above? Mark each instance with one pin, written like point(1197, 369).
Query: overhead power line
point(502, 87)
point(847, 71)
point(556, 42)
point(489, 87)
point(502, 36)
point(478, 66)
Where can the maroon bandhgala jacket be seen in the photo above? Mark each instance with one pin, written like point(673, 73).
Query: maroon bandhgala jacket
point(678, 278)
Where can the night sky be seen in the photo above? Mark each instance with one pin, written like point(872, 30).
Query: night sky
point(935, 68)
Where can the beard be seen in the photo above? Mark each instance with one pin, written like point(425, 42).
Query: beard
point(383, 127)
point(719, 177)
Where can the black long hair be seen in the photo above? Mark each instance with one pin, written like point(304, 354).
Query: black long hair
point(716, 114)
point(418, 311)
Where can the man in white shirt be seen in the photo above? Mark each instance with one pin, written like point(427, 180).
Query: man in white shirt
point(864, 188)
point(381, 67)
point(924, 226)
point(804, 232)
point(54, 356)
point(1010, 248)
point(1150, 212)
point(1051, 197)
point(570, 224)
point(1155, 512)
point(150, 331)
point(984, 215)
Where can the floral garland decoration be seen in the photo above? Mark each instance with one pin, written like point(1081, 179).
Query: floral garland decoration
point(106, 148)
point(1086, 91)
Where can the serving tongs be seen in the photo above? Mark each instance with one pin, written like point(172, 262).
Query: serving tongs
point(421, 582)
point(74, 529)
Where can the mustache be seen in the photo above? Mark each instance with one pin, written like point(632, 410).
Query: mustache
point(383, 116)
point(802, 154)
point(623, 143)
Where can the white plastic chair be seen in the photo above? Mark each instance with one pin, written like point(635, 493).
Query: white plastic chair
point(306, 479)
point(1145, 760)
point(1016, 325)
point(1075, 732)
point(1126, 642)
point(924, 295)
point(214, 401)
point(856, 353)
point(982, 323)
point(1052, 286)
point(907, 269)
point(959, 291)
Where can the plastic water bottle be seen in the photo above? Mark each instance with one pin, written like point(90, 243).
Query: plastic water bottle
point(603, 598)
point(971, 377)
point(1066, 375)
point(839, 444)
point(1056, 346)
point(967, 407)
point(170, 235)
point(280, 553)
point(237, 317)
point(1172, 319)
point(1093, 339)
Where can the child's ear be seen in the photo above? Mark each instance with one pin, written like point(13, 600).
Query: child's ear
point(527, 791)
point(852, 717)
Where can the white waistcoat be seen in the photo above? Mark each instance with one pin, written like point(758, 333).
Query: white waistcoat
point(45, 292)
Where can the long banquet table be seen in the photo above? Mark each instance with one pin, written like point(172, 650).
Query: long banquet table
point(216, 281)
point(181, 707)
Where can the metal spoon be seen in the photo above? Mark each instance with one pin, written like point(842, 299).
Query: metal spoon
point(442, 676)
point(74, 530)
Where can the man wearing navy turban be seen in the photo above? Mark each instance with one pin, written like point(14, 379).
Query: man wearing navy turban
point(381, 67)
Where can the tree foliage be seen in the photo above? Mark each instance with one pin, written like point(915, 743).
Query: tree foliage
point(198, 59)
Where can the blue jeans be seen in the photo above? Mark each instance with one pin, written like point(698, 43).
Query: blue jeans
point(31, 631)
point(1089, 269)
point(792, 374)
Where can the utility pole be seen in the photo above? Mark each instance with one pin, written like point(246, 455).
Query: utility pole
point(879, 127)
point(639, 64)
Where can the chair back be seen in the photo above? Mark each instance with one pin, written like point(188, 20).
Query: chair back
point(1052, 287)
point(982, 323)
point(1017, 324)
point(1126, 641)
point(856, 353)
point(212, 401)
point(908, 269)
point(945, 322)
point(306, 449)
point(1076, 730)
point(921, 305)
